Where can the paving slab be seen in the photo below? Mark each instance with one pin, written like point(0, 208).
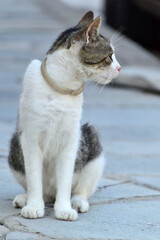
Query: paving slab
point(152, 182)
point(3, 231)
point(129, 166)
point(22, 236)
point(131, 220)
point(121, 191)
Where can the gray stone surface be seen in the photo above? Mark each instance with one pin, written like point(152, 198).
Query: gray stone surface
point(3, 231)
point(123, 191)
point(22, 236)
point(126, 203)
point(128, 220)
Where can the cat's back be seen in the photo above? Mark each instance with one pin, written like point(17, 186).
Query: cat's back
point(35, 88)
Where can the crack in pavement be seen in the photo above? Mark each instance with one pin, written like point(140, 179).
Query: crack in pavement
point(128, 180)
point(112, 185)
point(11, 224)
point(15, 226)
point(130, 199)
point(137, 183)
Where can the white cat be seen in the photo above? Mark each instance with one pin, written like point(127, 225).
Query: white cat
point(45, 147)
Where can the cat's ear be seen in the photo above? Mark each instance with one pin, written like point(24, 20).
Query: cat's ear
point(93, 28)
point(86, 19)
point(87, 31)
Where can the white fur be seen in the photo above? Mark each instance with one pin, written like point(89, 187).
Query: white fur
point(20, 200)
point(50, 129)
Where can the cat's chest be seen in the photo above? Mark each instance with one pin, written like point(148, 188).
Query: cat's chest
point(59, 121)
point(62, 109)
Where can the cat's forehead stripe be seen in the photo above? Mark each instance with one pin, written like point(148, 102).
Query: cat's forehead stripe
point(62, 38)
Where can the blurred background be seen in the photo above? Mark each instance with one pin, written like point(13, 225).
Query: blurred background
point(139, 20)
point(125, 112)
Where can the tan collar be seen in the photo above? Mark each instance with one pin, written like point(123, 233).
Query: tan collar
point(54, 85)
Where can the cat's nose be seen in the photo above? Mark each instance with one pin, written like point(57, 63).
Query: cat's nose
point(119, 68)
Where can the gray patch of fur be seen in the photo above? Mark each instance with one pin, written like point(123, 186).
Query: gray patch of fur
point(15, 159)
point(89, 149)
point(64, 40)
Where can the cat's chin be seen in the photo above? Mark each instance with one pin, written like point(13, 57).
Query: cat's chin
point(110, 78)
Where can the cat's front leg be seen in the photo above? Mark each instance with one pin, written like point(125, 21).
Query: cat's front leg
point(64, 173)
point(33, 168)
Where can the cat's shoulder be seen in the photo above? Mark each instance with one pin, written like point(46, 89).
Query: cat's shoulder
point(34, 66)
point(32, 73)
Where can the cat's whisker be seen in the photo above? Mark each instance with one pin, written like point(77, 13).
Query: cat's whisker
point(114, 36)
point(98, 80)
point(120, 46)
point(94, 88)
point(92, 84)
point(117, 48)
point(102, 85)
point(118, 40)
point(102, 88)
point(117, 37)
point(118, 31)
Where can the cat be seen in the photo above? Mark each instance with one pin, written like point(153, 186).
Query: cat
point(51, 155)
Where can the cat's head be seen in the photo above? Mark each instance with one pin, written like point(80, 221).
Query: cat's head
point(93, 52)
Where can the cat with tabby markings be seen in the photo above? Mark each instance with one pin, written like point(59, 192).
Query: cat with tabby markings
point(51, 155)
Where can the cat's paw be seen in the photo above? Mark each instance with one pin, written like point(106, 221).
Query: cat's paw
point(66, 214)
point(20, 201)
point(30, 211)
point(80, 204)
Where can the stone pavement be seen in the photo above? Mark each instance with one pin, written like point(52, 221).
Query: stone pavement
point(126, 205)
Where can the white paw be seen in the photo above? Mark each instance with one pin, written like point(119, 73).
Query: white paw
point(66, 214)
point(81, 205)
point(34, 211)
point(20, 201)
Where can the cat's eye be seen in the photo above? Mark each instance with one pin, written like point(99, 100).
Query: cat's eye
point(110, 57)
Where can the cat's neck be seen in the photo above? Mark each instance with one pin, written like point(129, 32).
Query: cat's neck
point(61, 66)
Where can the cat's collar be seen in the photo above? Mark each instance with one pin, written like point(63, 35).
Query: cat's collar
point(54, 85)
